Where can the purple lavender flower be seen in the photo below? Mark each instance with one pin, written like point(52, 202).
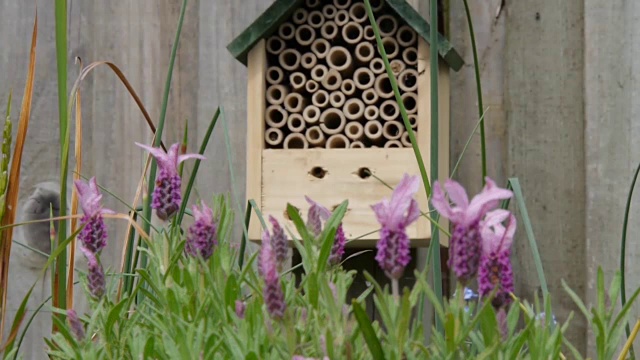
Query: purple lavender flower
point(495, 270)
point(167, 195)
point(317, 214)
point(465, 244)
point(202, 236)
point(338, 246)
point(95, 274)
point(240, 308)
point(94, 233)
point(74, 323)
point(279, 241)
point(273, 295)
point(395, 215)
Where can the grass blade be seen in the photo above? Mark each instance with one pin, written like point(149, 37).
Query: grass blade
point(517, 192)
point(623, 247)
point(13, 186)
point(373, 343)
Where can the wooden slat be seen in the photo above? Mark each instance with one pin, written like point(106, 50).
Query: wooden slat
point(256, 88)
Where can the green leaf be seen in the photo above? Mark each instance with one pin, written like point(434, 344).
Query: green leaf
point(370, 337)
point(301, 227)
point(576, 299)
point(18, 318)
point(231, 291)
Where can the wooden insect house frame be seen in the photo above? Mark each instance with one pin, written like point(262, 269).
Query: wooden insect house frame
point(322, 117)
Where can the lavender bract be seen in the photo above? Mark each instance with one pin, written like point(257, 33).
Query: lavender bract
point(315, 218)
point(202, 236)
point(337, 251)
point(495, 270)
point(240, 308)
point(273, 295)
point(394, 216)
point(93, 235)
point(278, 241)
point(465, 244)
point(167, 195)
point(75, 324)
point(95, 274)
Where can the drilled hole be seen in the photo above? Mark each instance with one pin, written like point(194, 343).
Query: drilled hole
point(364, 173)
point(318, 172)
point(286, 213)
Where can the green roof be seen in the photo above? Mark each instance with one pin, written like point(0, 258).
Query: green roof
point(267, 23)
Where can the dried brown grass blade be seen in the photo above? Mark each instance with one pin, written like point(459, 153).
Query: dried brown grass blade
point(13, 187)
point(74, 195)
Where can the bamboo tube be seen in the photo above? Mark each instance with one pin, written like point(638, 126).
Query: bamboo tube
point(297, 80)
point(289, 59)
point(353, 109)
point(342, 17)
point(320, 99)
point(320, 47)
point(393, 144)
point(311, 114)
point(311, 86)
point(294, 103)
point(275, 75)
point(371, 112)
point(370, 96)
point(363, 78)
point(308, 60)
point(388, 25)
point(295, 123)
point(354, 130)
point(390, 47)
point(315, 19)
point(332, 121)
point(392, 130)
point(377, 66)
point(413, 120)
point(364, 53)
point(342, 4)
point(405, 140)
point(337, 99)
point(397, 66)
point(352, 33)
point(312, 3)
point(410, 56)
point(329, 30)
point(389, 110)
point(410, 101)
point(358, 12)
point(406, 36)
point(286, 31)
point(300, 16)
point(332, 80)
point(348, 87)
point(295, 141)
point(337, 141)
point(276, 94)
point(373, 130)
point(383, 86)
point(376, 5)
point(368, 33)
point(275, 45)
point(319, 72)
point(408, 80)
point(315, 136)
point(356, 145)
point(273, 136)
point(305, 35)
point(339, 58)
point(276, 116)
point(329, 11)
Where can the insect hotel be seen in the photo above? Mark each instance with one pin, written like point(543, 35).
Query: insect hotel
point(323, 120)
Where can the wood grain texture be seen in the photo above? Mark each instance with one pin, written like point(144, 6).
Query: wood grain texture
point(545, 110)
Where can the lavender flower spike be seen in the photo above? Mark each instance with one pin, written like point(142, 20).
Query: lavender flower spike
point(337, 251)
point(395, 215)
point(167, 195)
point(278, 241)
point(75, 324)
point(495, 265)
point(273, 295)
point(202, 236)
point(95, 274)
point(317, 214)
point(465, 244)
point(94, 234)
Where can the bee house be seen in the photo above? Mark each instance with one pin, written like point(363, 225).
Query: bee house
point(323, 120)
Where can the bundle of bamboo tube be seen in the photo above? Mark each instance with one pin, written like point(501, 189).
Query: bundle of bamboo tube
point(327, 86)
